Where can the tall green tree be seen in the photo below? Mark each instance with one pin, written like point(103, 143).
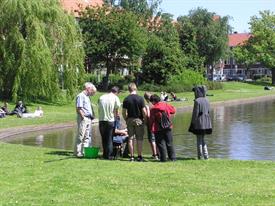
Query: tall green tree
point(148, 11)
point(39, 44)
point(243, 55)
point(189, 46)
point(204, 35)
point(146, 8)
point(262, 42)
point(113, 38)
point(163, 57)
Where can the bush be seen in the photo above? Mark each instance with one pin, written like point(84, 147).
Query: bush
point(115, 78)
point(182, 82)
point(150, 87)
point(120, 81)
point(213, 85)
point(90, 77)
point(264, 79)
point(185, 81)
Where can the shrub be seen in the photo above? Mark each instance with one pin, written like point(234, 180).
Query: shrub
point(264, 79)
point(150, 87)
point(115, 78)
point(90, 77)
point(185, 81)
point(213, 85)
point(120, 81)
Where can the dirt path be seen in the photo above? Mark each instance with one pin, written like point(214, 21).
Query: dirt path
point(9, 132)
point(5, 133)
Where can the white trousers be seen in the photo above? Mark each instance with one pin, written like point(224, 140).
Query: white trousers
point(83, 138)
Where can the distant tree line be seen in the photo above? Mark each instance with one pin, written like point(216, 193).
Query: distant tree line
point(151, 42)
point(260, 47)
point(42, 48)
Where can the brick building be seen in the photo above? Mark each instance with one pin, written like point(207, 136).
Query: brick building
point(230, 67)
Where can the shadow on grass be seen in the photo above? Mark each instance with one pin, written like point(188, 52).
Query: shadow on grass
point(66, 154)
point(260, 83)
point(149, 159)
point(69, 155)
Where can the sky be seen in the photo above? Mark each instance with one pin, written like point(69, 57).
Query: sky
point(240, 11)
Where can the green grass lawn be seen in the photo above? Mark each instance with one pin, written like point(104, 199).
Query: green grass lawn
point(40, 176)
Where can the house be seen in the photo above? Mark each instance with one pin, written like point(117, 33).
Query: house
point(230, 67)
point(74, 6)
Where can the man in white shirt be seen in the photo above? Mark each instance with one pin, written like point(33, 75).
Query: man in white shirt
point(85, 116)
point(108, 105)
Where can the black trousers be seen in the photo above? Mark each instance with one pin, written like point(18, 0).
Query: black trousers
point(106, 131)
point(164, 141)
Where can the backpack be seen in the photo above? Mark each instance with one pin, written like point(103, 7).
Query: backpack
point(165, 122)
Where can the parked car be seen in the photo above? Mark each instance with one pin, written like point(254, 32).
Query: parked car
point(217, 77)
point(238, 77)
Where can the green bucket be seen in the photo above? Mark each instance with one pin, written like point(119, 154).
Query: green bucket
point(91, 152)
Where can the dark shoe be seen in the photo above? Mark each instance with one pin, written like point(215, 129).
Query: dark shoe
point(126, 156)
point(111, 158)
point(140, 159)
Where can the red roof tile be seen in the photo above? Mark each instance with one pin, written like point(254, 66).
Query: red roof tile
point(73, 6)
point(216, 17)
point(237, 39)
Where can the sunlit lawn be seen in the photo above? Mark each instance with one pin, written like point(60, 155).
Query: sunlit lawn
point(40, 176)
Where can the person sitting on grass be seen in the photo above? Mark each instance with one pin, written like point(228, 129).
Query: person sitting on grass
point(37, 113)
point(120, 140)
point(166, 98)
point(5, 108)
point(2, 113)
point(19, 109)
point(175, 98)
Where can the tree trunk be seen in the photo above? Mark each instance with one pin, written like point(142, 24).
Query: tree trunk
point(105, 82)
point(273, 76)
point(211, 70)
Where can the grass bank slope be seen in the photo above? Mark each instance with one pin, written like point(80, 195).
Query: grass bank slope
point(39, 176)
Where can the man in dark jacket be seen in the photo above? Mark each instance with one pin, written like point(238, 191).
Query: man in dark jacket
point(201, 121)
point(164, 138)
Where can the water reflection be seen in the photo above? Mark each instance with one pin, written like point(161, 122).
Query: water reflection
point(244, 132)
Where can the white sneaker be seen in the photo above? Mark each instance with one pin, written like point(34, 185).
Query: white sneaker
point(79, 155)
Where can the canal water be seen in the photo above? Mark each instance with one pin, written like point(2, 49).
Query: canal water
point(241, 132)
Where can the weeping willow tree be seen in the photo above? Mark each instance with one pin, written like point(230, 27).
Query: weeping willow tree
point(40, 50)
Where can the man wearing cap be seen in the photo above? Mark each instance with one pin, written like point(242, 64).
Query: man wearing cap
point(85, 115)
point(108, 105)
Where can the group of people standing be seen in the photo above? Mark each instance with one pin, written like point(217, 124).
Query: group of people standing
point(156, 115)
